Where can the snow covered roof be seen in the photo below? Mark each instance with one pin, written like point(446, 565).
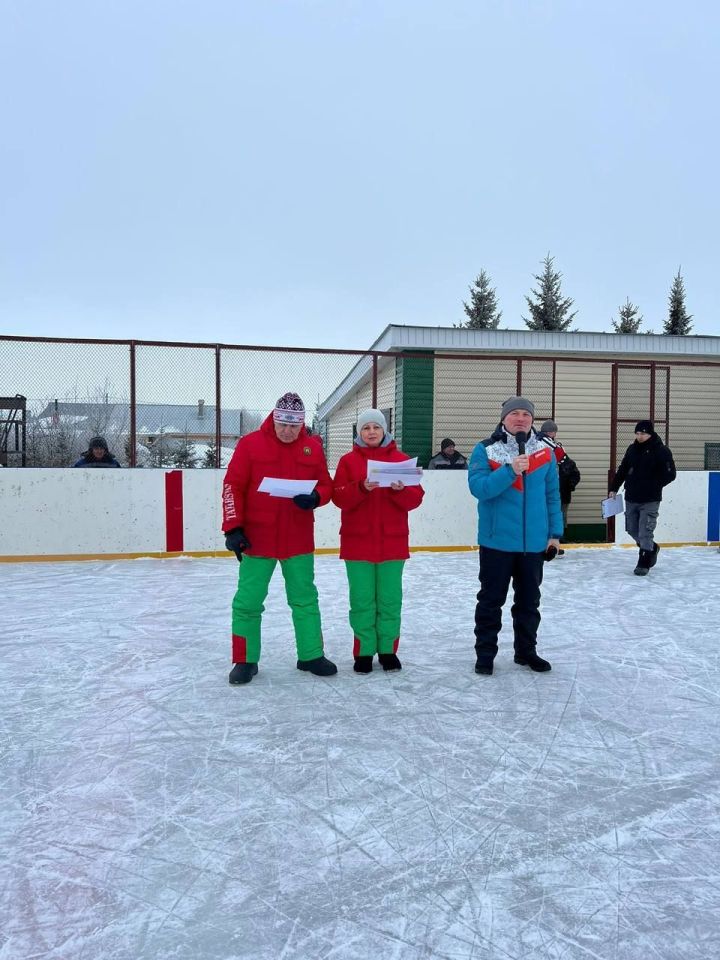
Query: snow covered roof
point(396, 338)
point(152, 418)
point(400, 337)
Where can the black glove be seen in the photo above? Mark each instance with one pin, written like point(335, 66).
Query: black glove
point(307, 501)
point(236, 542)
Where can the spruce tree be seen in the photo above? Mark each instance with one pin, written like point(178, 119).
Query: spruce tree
point(208, 460)
point(630, 318)
point(549, 310)
point(678, 319)
point(184, 454)
point(482, 311)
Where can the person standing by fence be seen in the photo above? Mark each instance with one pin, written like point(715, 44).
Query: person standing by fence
point(263, 531)
point(568, 473)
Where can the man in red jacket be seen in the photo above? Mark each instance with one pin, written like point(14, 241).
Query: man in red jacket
point(265, 530)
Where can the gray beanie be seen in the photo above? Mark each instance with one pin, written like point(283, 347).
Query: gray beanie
point(371, 416)
point(549, 427)
point(517, 403)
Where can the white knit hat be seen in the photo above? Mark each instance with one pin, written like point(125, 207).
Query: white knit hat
point(371, 416)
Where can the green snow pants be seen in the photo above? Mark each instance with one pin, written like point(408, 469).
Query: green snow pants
point(249, 603)
point(375, 605)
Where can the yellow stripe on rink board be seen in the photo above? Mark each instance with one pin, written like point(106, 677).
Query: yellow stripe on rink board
point(321, 551)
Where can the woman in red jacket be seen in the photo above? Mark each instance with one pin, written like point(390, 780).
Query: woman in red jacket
point(374, 542)
point(267, 530)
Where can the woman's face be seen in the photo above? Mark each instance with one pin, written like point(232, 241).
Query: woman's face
point(372, 434)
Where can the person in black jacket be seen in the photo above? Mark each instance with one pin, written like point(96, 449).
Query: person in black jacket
point(97, 455)
point(646, 468)
point(568, 472)
point(448, 458)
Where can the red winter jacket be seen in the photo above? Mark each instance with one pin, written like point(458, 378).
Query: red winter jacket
point(275, 526)
point(374, 525)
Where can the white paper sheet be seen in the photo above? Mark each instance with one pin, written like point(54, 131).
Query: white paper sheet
point(612, 506)
point(277, 487)
point(384, 473)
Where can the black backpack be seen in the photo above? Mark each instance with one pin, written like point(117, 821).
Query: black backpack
point(568, 473)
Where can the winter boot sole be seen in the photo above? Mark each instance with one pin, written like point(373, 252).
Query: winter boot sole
point(388, 661)
point(535, 663)
point(242, 673)
point(363, 664)
point(319, 667)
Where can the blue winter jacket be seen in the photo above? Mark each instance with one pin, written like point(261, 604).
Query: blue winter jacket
point(515, 514)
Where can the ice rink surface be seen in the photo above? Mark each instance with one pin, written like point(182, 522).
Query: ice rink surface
point(151, 811)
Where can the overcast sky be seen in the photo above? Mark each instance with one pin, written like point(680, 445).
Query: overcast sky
point(306, 172)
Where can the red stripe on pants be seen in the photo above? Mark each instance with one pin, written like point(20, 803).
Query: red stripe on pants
point(356, 647)
point(174, 511)
point(239, 649)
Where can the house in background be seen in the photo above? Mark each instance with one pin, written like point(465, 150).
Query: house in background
point(435, 382)
point(161, 428)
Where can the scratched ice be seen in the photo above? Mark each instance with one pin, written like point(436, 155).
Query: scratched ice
point(150, 810)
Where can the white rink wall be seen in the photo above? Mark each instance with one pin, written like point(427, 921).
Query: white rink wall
point(46, 513)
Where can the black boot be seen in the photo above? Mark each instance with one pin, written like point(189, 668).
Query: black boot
point(320, 666)
point(388, 661)
point(653, 557)
point(484, 667)
point(643, 564)
point(533, 661)
point(363, 665)
point(243, 672)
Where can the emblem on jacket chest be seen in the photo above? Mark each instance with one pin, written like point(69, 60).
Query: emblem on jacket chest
point(307, 451)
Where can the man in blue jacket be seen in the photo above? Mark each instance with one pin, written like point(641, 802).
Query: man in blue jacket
point(514, 476)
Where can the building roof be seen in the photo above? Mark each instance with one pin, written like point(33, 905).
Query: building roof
point(399, 337)
point(152, 418)
point(396, 338)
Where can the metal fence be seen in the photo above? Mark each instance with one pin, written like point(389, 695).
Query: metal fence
point(162, 404)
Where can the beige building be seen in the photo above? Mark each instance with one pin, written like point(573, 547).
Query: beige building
point(436, 382)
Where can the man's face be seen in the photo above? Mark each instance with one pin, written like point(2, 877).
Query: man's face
point(552, 434)
point(641, 436)
point(287, 432)
point(518, 420)
point(449, 450)
point(98, 452)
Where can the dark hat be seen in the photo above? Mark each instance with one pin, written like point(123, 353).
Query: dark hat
point(100, 442)
point(549, 427)
point(644, 426)
point(517, 403)
point(447, 442)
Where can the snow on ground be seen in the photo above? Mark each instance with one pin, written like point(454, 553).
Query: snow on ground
point(150, 810)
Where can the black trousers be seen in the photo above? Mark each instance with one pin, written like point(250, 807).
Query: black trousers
point(497, 568)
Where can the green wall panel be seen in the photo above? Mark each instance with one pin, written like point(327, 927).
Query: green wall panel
point(414, 379)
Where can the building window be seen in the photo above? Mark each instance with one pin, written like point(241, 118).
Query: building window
point(712, 456)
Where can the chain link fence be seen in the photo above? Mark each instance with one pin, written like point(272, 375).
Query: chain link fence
point(185, 405)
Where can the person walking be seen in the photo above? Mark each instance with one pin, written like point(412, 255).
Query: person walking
point(646, 468)
point(264, 530)
point(448, 458)
point(374, 537)
point(568, 473)
point(514, 477)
